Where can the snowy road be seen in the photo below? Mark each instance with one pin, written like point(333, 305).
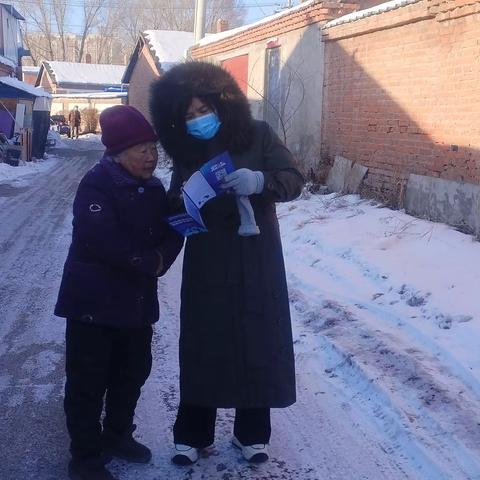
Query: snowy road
point(359, 414)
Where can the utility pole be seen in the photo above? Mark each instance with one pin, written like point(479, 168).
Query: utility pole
point(199, 29)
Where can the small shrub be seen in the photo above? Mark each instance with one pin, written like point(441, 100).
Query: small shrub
point(89, 120)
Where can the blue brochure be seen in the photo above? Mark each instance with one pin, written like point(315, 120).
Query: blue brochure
point(201, 187)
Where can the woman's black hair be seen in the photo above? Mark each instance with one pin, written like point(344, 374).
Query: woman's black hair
point(172, 94)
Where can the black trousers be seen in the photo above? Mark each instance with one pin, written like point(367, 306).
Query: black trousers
point(105, 367)
point(195, 426)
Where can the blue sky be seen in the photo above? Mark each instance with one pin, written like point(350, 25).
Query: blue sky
point(258, 9)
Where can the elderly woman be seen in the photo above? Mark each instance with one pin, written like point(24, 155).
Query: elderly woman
point(108, 294)
point(235, 333)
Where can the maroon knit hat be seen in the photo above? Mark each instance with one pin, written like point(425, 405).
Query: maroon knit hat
point(123, 126)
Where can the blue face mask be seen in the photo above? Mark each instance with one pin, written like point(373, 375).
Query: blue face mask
point(204, 127)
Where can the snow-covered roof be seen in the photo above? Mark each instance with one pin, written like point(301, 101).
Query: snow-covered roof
point(85, 73)
point(234, 31)
point(7, 61)
point(26, 87)
point(12, 11)
point(30, 69)
point(168, 46)
point(91, 95)
point(383, 7)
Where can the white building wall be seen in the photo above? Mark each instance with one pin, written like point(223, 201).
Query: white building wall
point(301, 72)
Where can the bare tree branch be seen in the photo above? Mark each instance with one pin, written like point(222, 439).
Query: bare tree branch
point(91, 11)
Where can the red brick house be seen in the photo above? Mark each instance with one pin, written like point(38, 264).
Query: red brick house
point(278, 63)
point(391, 90)
point(30, 74)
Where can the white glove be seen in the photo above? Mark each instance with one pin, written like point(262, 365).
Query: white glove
point(244, 181)
point(248, 225)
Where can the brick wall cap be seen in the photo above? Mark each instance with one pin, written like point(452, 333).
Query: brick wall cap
point(368, 12)
point(216, 37)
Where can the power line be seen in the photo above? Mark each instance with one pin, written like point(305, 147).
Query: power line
point(113, 5)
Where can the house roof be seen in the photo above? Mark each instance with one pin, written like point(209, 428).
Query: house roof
point(30, 69)
point(12, 11)
point(65, 74)
point(24, 87)
point(91, 95)
point(167, 48)
point(6, 61)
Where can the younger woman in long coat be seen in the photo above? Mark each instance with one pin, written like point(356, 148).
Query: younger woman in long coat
point(235, 332)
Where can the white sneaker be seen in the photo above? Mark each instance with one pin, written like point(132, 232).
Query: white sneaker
point(184, 454)
point(257, 453)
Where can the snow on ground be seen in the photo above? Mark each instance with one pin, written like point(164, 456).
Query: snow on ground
point(88, 141)
point(394, 302)
point(25, 173)
point(386, 327)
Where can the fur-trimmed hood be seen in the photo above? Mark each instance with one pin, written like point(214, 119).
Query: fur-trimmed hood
point(170, 98)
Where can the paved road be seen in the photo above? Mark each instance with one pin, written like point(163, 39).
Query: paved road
point(34, 237)
point(312, 440)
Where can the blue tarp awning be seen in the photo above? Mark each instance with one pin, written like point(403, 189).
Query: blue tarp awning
point(6, 91)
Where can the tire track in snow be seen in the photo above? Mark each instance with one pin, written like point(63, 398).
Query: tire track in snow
point(400, 386)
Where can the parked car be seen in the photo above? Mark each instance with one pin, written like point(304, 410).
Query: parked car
point(51, 140)
point(9, 152)
point(60, 124)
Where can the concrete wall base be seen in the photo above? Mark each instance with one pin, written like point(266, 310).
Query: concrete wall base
point(345, 176)
point(454, 203)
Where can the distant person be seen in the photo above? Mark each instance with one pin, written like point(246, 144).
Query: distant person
point(108, 293)
point(74, 120)
point(236, 348)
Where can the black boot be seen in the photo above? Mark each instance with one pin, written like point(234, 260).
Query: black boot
point(89, 469)
point(124, 446)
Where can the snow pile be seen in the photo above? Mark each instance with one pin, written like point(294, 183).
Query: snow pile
point(25, 173)
point(87, 73)
point(169, 46)
point(371, 258)
point(389, 300)
point(89, 141)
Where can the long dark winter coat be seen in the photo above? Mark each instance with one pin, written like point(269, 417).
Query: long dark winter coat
point(235, 342)
point(110, 275)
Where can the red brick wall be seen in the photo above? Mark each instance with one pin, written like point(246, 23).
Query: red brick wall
point(5, 70)
point(298, 18)
point(46, 83)
point(30, 77)
point(402, 93)
point(238, 68)
point(144, 73)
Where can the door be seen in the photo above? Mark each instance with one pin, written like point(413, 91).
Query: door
point(273, 94)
